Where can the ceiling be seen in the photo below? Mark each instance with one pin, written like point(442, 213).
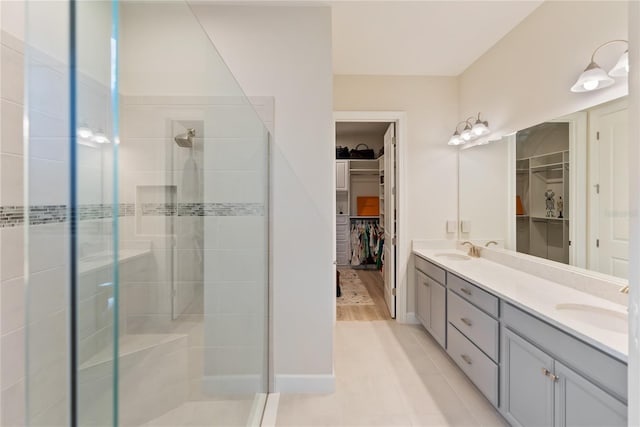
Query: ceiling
point(438, 38)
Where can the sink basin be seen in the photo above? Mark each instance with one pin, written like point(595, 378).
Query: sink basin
point(453, 256)
point(603, 318)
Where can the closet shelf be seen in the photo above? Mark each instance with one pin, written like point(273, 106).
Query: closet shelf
point(548, 218)
point(549, 167)
point(364, 171)
point(363, 217)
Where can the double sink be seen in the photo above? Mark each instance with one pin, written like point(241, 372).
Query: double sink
point(599, 317)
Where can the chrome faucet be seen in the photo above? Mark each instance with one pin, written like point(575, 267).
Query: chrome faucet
point(474, 251)
point(486, 245)
point(624, 289)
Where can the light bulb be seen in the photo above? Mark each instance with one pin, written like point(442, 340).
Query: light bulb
point(466, 135)
point(590, 84)
point(480, 128)
point(455, 139)
point(100, 138)
point(84, 132)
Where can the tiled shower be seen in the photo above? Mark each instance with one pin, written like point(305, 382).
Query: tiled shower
point(136, 289)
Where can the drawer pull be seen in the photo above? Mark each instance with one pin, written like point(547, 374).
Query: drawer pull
point(465, 291)
point(466, 358)
point(466, 321)
point(548, 373)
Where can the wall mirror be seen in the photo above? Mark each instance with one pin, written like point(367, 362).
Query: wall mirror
point(557, 190)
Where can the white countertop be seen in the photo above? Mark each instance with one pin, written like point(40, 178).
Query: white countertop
point(540, 297)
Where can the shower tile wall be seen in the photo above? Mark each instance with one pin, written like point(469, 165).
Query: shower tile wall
point(48, 234)
point(12, 324)
point(219, 226)
point(222, 287)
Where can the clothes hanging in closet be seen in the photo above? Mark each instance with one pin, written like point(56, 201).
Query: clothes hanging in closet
point(367, 240)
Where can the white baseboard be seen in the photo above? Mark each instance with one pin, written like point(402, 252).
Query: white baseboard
point(305, 383)
point(233, 384)
point(412, 319)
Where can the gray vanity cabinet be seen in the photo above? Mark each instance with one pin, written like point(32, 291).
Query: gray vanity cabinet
point(527, 393)
point(431, 300)
point(580, 403)
point(539, 389)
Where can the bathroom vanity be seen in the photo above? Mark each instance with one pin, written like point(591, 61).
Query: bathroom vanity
point(542, 353)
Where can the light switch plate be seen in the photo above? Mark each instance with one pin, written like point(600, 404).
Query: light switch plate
point(452, 226)
point(465, 226)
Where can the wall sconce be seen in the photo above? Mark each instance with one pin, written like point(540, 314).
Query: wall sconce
point(470, 131)
point(594, 77)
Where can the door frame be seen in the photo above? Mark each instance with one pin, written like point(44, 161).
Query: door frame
point(403, 248)
point(593, 177)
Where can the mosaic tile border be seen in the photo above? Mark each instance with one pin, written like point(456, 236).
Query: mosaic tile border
point(203, 209)
point(13, 216)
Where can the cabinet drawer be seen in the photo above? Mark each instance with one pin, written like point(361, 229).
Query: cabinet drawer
point(474, 363)
point(482, 299)
point(476, 325)
point(430, 269)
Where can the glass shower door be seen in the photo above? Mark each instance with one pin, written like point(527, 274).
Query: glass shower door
point(71, 213)
point(147, 243)
point(194, 163)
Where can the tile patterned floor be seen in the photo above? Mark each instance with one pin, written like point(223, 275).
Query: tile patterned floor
point(388, 374)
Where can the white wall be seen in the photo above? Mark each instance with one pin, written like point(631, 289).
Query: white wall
point(483, 202)
point(525, 78)
point(431, 173)
point(285, 52)
point(634, 192)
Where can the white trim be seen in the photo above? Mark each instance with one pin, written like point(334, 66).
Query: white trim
point(511, 231)
point(412, 319)
point(270, 415)
point(321, 384)
point(592, 175)
point(403, 246)
point(634, 218)
point(578, 186)
point(257, 410)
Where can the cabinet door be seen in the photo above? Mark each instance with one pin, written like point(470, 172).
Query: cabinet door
point(580, 403)
point(423, 297)
point(437, 311)
point(527, 393)
point(342, 175)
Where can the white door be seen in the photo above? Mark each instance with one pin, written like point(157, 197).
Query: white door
point(389, 266)
point(610, 189)
point(342, 175)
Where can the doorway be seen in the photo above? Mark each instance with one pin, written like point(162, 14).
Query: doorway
point(367, 216)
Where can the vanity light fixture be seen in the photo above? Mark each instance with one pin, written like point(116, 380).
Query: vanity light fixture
point(100, 138)
point(594, 77)
point(472, 130)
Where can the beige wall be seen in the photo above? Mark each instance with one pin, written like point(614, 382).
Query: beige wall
point(431, 169)
point(525, 78)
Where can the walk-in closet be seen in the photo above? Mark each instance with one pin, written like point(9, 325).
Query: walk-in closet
point(363, 161)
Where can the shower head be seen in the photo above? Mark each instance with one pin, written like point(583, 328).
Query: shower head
point(185, 140)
